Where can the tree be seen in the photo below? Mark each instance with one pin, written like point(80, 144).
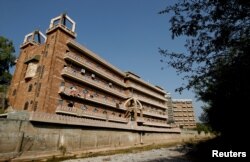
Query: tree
point(217, 63)
point(201, 127)
point(7, 59)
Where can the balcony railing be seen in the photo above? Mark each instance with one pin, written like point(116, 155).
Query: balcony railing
point(74, 120)
point(157, 124)
point(155, 95)
point(78, 76)
point(155, 114)
point(151, 102)
point(84, 113)
point(77, 94)
point(91, 54)
point(73, 57)
point(150, 123)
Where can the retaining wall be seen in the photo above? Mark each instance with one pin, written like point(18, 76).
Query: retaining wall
point(24, 138)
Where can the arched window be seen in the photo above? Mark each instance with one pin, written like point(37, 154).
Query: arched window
point(26, 105)
point(30, 88)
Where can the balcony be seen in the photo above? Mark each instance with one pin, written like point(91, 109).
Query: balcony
point(155, 95)
point(155, 114)
point(84, 113)
point(150, 123)
point(82, 49)
point(80, 61)
point(157, 124)
point(151, 102)
point(140, 120)
point(68, 72)
point(77, 94)
point(72, 120)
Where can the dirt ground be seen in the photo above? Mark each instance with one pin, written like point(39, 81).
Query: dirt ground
point(171, 154)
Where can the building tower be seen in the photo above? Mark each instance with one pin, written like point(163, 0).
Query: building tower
point(37, 73)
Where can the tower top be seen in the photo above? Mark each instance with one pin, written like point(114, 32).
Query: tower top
point(35, 38)
point(63, 22)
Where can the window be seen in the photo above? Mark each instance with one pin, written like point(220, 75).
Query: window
point(110, 85)
point(93, 76)
point(38, 69)
point(42, 71)
point(70, 104)
point(26, 105)
point(46, 50)
point(14, 92)
point(30, 88)
point(84, 107)
point(38, 89)
point(85, 91)
point(96, 94)
point(95, 109)
point(35, 105)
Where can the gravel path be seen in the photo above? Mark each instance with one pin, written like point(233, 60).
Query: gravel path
point(171, 154)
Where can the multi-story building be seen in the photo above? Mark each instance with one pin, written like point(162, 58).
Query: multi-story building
point(56, 75)
point(183, 113)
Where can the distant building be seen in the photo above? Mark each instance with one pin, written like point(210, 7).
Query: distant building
point(183, 113)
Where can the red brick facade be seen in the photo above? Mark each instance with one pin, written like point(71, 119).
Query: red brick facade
point(58, 75)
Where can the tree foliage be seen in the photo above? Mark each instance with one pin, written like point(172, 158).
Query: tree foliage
point(201, 127)
point(217, 63)
point(213, 28)
point(7, 59)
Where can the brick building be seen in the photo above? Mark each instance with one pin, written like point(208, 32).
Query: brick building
point(57, 75)
point(183, 113)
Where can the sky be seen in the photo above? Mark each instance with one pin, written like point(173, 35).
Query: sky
point(126, 33)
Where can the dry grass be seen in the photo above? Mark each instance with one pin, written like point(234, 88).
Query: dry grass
point(134, 149)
